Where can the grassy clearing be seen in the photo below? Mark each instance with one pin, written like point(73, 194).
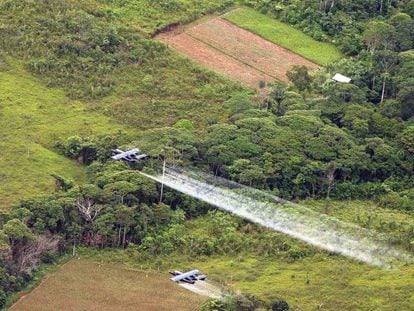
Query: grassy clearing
point(280, 33)
point(99, 286)
point(368, 215)
point(33, 117)
point(318, 283)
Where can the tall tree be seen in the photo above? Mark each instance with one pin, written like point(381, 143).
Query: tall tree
point(379, 35)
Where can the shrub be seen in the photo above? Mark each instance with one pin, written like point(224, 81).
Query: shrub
point(296, 253)
point(3, 298)
point(400, 201)
point(224, 304)
point(49, 257)
point(280, 305)
point(248, 302)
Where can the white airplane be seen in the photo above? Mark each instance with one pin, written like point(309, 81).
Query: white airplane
point(132, 155)
point(188, 277)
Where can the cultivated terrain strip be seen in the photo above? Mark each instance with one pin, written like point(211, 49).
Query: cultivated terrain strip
point(234, 52)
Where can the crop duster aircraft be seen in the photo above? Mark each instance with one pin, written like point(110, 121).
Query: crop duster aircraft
point(132, 155)
point(188, 277)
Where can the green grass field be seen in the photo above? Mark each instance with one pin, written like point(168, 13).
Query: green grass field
point(33, 118)
point(99, 286)
point(280, 33)
point(318, 283)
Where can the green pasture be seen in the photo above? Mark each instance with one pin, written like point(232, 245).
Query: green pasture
point(32, 118)
point(322, 53)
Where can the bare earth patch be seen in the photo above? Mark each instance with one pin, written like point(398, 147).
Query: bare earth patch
point(87, 285)
point(233, 51)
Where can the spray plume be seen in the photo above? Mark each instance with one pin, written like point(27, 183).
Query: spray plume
point(295, 220)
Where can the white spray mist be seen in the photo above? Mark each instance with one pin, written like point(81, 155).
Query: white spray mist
point(297, 221)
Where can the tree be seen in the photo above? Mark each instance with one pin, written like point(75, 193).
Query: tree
point(330, 177)
point(46, 213)
point(161, 214)
point(88, 209)
point(407, 139)
point(300, 77)
point(406, 97)
point(87, 202)
point(379, 35)
point(5, 248)
point(62, 183)
point(218, 156)
point(26, 248)
point(3, 298)
point(119, 190)
point(385, 61)
point(81, 148)
point(239, 103)
point(29, 256)
point(17, 232)
point(246, 172)
point(124, 217)
point(404, 26)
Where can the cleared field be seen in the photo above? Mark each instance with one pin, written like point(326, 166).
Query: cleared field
point(280, 33)
point(213, 59)
point(234, 52)
point(87, 285)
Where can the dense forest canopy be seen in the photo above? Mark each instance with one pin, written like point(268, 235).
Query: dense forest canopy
point(310, 138)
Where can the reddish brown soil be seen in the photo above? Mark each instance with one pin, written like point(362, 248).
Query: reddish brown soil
point(233, 51)
point(215, 60)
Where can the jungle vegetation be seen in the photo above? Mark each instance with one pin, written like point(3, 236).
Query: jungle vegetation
point(309, 139)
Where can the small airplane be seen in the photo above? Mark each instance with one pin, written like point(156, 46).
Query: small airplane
point(188, 277)
point(132, 155)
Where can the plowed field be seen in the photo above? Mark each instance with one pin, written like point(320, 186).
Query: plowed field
point(233, 51)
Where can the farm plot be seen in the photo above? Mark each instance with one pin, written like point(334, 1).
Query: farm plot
point(88, 285)
point(275, 31)
point(234, 52)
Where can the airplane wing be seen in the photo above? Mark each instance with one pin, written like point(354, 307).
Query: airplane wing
point(130, 155)
point(187, 276)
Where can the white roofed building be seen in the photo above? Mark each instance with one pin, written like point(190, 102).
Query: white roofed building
point(341, 78)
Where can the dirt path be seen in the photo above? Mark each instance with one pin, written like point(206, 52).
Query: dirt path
point(234, 52)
